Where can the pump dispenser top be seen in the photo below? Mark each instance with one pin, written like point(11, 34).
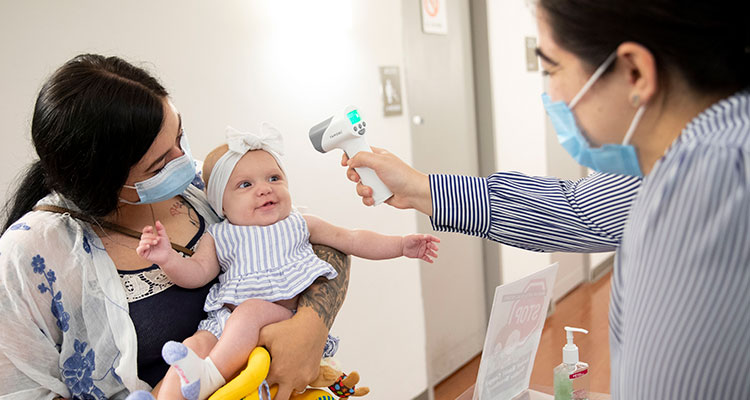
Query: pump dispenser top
point(570, 350)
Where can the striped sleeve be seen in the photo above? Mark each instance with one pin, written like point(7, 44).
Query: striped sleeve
point(536, 213)
point(460, 204)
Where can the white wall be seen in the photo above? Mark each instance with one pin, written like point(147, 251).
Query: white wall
point(518, 113)
point(240, 62)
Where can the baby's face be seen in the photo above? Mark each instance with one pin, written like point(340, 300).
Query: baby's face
point(257, 192)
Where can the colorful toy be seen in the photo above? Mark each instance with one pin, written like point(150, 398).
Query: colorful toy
point(248, 380)
point(341, 384)
point(249, 384)
point(246, 385)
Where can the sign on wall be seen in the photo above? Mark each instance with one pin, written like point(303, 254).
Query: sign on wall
point(434, 17)
point(390, 86)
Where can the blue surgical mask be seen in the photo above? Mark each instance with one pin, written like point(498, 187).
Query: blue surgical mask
point(172, 180)
point(611, 157)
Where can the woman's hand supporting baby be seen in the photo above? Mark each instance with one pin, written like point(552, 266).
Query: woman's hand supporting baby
point(297, 343)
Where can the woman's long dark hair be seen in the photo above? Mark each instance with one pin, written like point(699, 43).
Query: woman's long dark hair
point(94, 118)
point(707, 42)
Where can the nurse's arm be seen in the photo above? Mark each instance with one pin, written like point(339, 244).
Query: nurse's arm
point(536, 213)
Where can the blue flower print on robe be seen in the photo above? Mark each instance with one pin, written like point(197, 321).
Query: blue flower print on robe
point(58, 311)
point(77, 369)
point(86, 245)
point(76, 373)
point(198, 181)
point(19, 226)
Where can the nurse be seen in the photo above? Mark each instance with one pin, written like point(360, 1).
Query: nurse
point(643, 89)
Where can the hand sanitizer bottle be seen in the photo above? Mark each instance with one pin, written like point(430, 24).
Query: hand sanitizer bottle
point(572, 376)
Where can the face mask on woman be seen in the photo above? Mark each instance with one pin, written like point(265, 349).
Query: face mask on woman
point(172, 180)
point(610, 158)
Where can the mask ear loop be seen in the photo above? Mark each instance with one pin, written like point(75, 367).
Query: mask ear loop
point(599, 72)
point(132, 203)
point(634, 124)
point(153, 215)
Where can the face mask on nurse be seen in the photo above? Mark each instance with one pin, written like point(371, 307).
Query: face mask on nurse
point(172, 180)
point(611, 157)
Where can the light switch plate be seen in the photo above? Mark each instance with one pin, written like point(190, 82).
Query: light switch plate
point(532, 63)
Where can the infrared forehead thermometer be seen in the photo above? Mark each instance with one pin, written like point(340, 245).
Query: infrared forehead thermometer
point(346, 131)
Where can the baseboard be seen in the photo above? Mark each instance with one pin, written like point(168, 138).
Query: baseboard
point(602, 269)
point(426, 395)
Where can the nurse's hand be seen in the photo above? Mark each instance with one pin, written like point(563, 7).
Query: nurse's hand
point(410, 188)
point(296, 346)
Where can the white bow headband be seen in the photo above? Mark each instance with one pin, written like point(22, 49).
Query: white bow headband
point(269, 139)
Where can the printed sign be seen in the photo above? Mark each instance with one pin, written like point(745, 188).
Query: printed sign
point(513, 334)
point(434, 17)
point(390, 86)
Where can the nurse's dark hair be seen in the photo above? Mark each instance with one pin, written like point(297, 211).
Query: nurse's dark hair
point(94, 118)
point(706, 42)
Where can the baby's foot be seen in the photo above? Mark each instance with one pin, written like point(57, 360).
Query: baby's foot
point(140, 395)
point(199, 378)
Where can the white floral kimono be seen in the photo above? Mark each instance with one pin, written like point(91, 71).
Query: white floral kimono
point(64, 317)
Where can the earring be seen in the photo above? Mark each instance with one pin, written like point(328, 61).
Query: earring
point(635, 100)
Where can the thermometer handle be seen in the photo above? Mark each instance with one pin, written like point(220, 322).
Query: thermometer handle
point(380, 192)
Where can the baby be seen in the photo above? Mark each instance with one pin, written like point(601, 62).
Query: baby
point(262, 254)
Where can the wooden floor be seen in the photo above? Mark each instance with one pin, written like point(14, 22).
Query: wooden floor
point(585, 307)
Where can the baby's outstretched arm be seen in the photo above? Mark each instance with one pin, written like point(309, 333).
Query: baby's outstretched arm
point(192, 272)
point(372, 245)
point(421, 246)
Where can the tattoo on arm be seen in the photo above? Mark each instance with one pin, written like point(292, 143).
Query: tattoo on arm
point(326, 296)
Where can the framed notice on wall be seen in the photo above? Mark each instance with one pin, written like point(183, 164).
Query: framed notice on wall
point(390, 86)
point(434, 17)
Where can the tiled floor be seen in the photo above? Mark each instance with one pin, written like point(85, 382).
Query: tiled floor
point(585, 307)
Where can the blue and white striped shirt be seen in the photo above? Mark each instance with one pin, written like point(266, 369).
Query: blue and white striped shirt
point(680, 309)
point(536, 213)
point(273, 262)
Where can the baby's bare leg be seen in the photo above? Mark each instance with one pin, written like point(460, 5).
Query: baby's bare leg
point(240, 335)
point(289, 303)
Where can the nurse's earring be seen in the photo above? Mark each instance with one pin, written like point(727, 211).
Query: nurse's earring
point(635, 100)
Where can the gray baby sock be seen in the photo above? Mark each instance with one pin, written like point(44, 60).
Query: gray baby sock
point(199, 378)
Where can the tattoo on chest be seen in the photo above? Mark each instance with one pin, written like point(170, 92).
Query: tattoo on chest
point(326, 296)
point(182, 207)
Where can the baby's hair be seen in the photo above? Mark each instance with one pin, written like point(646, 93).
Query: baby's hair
point(211, 159)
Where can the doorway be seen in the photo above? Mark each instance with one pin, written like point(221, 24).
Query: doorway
point(439, 82)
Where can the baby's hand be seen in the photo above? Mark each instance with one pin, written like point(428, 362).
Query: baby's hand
point(155, 247)
point(421, 246)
